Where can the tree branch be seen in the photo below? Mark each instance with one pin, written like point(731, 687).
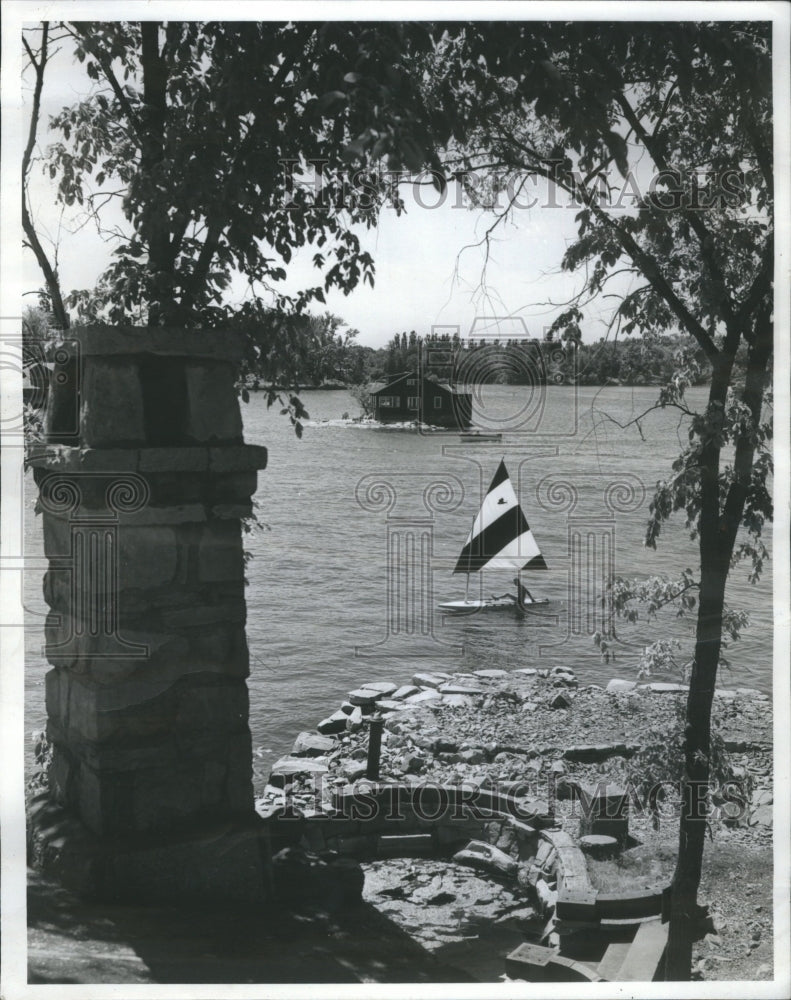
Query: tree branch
point(33, 241)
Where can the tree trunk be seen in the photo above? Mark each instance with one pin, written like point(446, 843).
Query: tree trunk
point(718, 527)
point(155, 225)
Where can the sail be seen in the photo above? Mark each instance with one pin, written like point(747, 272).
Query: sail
point(500, 537)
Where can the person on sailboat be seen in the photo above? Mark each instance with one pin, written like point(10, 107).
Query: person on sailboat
point(523, 594)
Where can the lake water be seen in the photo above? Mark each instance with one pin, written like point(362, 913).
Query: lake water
point(335, 593)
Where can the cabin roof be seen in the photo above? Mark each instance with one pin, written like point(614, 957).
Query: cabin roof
point(391, 380)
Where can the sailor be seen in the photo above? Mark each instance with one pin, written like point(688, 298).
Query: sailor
point(523, 594)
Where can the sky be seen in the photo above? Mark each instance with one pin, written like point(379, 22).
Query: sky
point(429, 270)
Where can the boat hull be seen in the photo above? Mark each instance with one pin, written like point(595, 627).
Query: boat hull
point(470, 607)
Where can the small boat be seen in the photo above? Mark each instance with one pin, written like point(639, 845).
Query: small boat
point(481, 436)
point(500, 538)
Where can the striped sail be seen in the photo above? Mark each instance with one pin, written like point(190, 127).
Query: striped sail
point(500, 537)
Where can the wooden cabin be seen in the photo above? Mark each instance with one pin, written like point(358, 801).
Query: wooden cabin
point(408, 396)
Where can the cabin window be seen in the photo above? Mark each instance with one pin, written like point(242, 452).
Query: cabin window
point(411, 381)
point(389, 402)
point(412, 402)
point(438, 402)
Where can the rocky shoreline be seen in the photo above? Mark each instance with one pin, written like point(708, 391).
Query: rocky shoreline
point(537, 736)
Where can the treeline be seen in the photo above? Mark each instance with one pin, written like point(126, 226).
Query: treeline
point(520, 362)
point(324, 353)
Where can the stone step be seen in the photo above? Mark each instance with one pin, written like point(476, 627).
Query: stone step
point(613, 959)
point(645, 953)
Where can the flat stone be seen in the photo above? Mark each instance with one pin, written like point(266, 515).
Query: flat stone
point(383, 687)
point(617, 685)
point(390, 705)
point(404, 692)
point(663, 688)
point(529, 706)
point(335, 723)
point(526, 671)
point(429, 695)
point(561, 670)
point(490, 674)
point(430, 680)
point(289, 767)
point(364, 696)
point(475, 755)
point(459, 689)
point(312, 745)
point(725, 694)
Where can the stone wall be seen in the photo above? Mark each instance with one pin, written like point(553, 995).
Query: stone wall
point(142, 497)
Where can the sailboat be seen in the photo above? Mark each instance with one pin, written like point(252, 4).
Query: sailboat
point(500, 538)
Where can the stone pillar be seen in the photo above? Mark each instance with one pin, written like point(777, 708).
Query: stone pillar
point(147, 699)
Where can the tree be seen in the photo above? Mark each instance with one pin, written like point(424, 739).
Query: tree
point(203, 134)
point(661, 136)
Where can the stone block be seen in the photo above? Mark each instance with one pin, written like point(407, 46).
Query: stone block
point(429, 695)
point(405, 691)
point(333, 724)
point(111, 411)
point(576, 903)
point(434, 680)
point(237, 458)
point(645, 954)
point(213, 406)
point(220, 552)
point(235, 487)
point(385, 688)
point(364, 696)
point(490, 674)
point(467, 689)
point(173, 459)
point(313, 745)
point(287, 768)
point(148, 556)
point(159, 341)
point(618, 686)
point(188, 513)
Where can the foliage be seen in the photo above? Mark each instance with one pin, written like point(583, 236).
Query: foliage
point(203, 133)
point(656, 770)
point(361, 394)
